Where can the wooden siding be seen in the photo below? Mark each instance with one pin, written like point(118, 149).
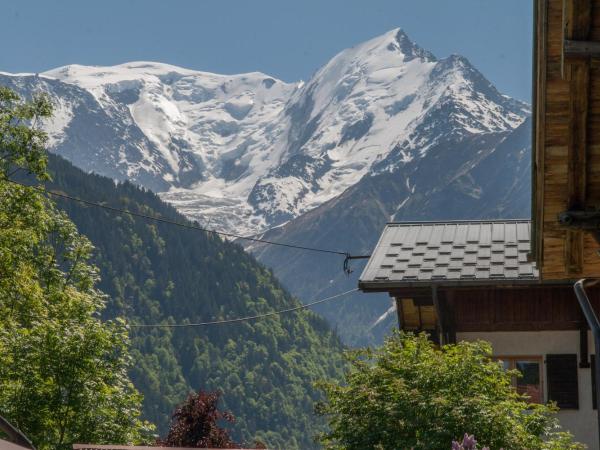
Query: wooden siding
point(567, 137)
point(493, 308)
point(518, 309)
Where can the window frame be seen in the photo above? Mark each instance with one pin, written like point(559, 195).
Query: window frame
point(513, 359)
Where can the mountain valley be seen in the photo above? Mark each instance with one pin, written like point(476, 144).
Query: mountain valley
point(321, 163)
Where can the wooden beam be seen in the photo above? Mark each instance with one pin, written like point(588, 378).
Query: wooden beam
point(581, 49)
point(439, 314)
point(411, 292)
point(399, 311)
point(451, 317)
point(576, 27)
point(578, 118)
point(539, 93)
point(577, 22)
point(577, 18)
point(574, 252)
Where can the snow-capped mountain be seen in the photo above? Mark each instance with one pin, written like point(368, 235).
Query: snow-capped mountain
point(384, 100)
point(481, 176)
point(249, 152)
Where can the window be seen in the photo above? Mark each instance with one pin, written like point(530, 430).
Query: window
point(530, 381)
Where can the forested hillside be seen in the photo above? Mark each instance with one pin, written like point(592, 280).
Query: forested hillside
point(159, 273)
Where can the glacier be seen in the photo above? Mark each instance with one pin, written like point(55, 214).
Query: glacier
point(246, 153)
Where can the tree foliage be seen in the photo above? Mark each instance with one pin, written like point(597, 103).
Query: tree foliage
point(410, 394)
point(159, 273)
point(468, 443)
point(63, 371)
point(22, 143)
point(195, 423)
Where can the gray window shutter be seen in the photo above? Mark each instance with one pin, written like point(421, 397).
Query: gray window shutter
point(563, 387)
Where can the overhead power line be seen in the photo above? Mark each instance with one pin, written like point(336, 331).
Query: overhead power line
point(179, 224)
point(228, 321)
point(241, 319)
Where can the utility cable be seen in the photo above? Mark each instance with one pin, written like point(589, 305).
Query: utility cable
point(172, 222)
point(241, 319)
point(236, 320)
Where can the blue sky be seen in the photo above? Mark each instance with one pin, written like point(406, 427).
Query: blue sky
point(288, 39)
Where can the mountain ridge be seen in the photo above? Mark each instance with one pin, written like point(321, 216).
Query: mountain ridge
point(383, 131)
point(454, 181)
point(249, 152)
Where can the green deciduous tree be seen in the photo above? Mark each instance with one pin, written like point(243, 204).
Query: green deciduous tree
point(63, 371)
point(410, 394)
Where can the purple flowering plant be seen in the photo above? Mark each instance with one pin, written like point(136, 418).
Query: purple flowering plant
point(468, 443)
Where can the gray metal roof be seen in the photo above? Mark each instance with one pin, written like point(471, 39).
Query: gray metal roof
point(6, 445)
point(462, 252)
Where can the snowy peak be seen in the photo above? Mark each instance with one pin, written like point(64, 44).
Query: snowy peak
point(383, 100)
point(249, 152)
point(176, 84)
point(471, 101)
point(95, 76)
point(380, 59)
point(457, 73)
point(395, 45)
point(408, 48)
point(193, 120)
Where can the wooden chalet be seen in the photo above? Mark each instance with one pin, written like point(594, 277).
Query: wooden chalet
point(471, 280)
point(566, 139)
point(566, 150)
point(511, 282)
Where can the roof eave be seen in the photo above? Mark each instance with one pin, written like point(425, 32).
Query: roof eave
point(458, 221)
point(386, 286)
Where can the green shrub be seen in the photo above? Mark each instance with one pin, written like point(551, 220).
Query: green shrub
point(409, 394)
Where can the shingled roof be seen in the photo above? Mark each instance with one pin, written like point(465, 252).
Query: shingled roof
point(461, 252)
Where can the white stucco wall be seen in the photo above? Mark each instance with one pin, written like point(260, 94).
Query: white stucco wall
point(581, 422)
